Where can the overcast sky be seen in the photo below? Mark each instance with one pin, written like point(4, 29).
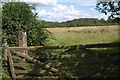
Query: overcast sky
point(63, 10)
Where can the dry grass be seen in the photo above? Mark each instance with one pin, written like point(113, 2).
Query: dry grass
point(64, 29)
point(84, 35)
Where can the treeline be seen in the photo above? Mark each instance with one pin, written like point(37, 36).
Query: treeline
point(82, 22)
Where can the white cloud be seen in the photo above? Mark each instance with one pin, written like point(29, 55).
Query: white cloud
point(69, 10)
point(92, 9)
point(42, 2)
point(61, 13)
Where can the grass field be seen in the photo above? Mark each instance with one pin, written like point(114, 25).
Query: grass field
point(84, 35)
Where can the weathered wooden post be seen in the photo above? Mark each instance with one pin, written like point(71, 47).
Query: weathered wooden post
point(5, 46)
point(22, 38)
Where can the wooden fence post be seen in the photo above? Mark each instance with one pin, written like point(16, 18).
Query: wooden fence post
point(22, 37)
point(8, 57)
point(11, 65)
point(5, 46)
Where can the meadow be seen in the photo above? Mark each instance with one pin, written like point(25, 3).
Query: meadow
point(86, 35)
point(77, 65)
point(83, 35)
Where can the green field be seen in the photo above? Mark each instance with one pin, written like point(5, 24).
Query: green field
point(77, 65)
point(84, 35)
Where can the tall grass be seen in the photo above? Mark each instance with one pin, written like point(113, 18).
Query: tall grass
point(85, 36)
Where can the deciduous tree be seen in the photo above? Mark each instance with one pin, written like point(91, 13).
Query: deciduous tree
point(19, 16)
point(109, 7)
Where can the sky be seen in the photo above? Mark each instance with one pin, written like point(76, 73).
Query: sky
point(64, 10)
